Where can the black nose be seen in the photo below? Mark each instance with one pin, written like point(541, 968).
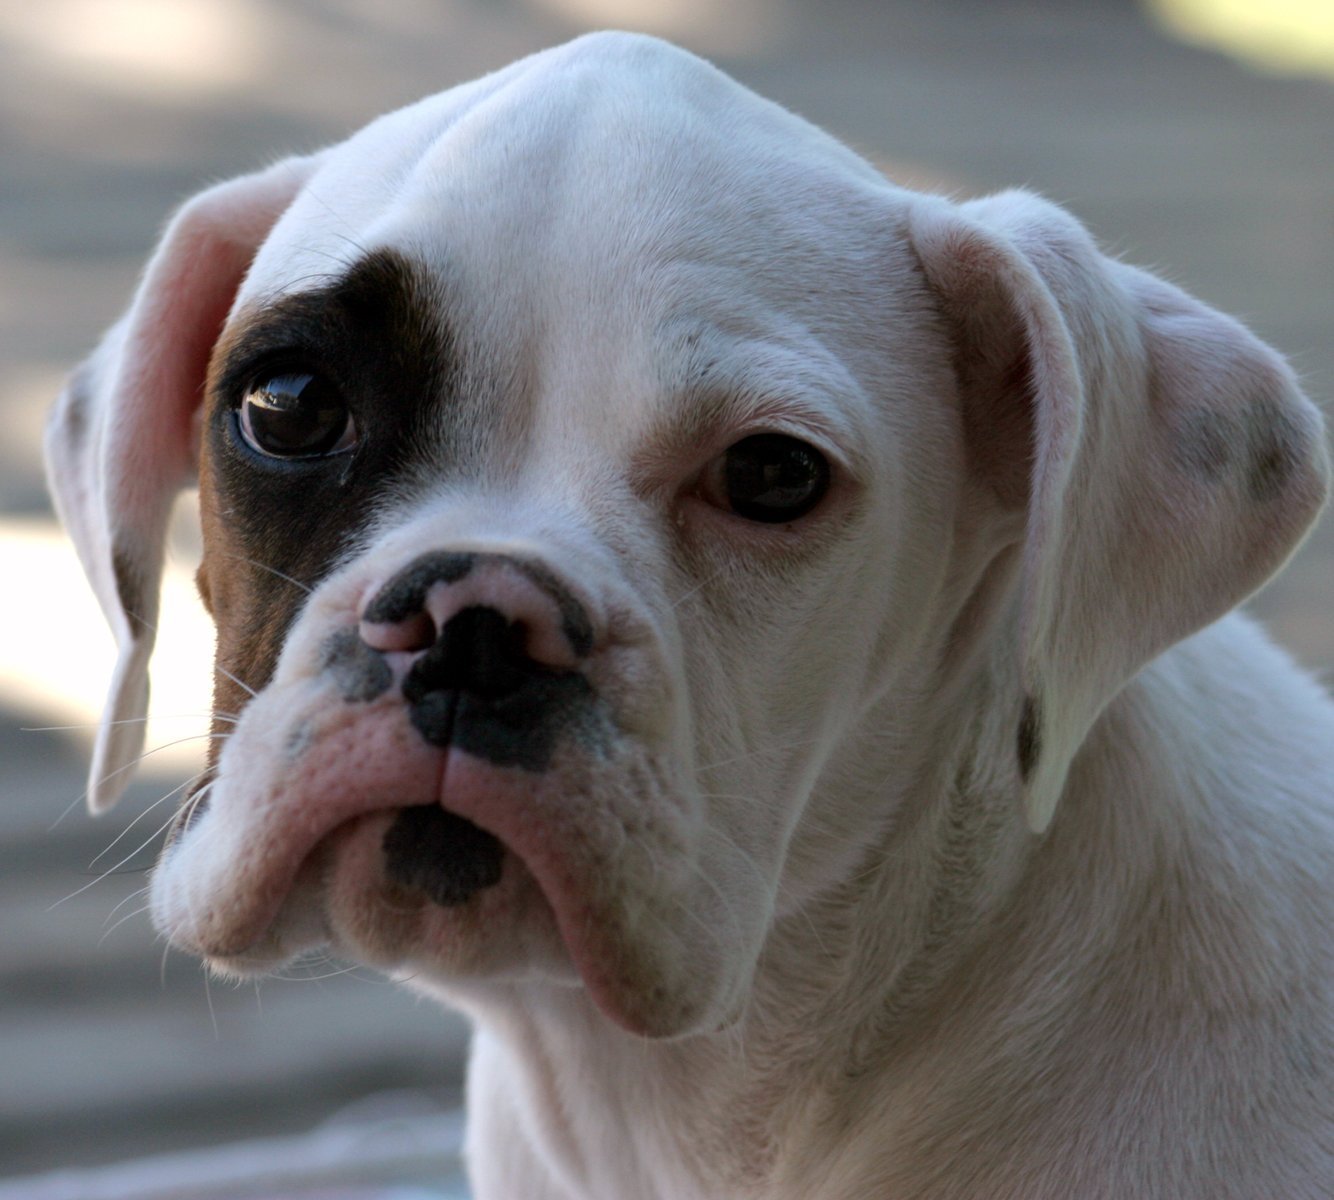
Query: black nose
point(478, 651)
point(495, 643)
point(478, 661)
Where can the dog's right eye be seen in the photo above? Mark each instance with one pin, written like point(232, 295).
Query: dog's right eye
point(295, 415)
point(768, 477)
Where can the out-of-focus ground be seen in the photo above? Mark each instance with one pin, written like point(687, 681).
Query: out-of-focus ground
point(1195, 136)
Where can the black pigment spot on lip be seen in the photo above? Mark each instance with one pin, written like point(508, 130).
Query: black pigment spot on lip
point(359, 670)
point(446, 856)
point(299, 740)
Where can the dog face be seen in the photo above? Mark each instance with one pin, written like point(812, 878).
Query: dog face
point(610, 488)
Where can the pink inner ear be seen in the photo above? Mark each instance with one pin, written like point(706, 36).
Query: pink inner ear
point(1000, 426)
point(178, 313)
point(994, 357)
point(187, 295)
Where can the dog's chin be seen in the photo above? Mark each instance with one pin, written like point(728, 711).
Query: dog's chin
point(351, 901)
point(503, 930)
point(338, 828)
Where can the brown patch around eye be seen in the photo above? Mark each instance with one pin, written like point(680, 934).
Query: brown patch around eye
point(273, 531)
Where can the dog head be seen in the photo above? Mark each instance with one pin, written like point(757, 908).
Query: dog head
point(614, 495)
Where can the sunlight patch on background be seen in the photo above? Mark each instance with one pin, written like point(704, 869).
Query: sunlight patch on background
point(1284, 36)
point(154, 47)
point(738, 27)
point(55, 663)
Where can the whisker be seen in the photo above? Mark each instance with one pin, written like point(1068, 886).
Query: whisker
point(187, 815)
point(134, 895)
point(129, 766)
point(208, 995)
point(676, 601)
point(203, 716)
point(65, 812)
point(106, 874)
point(129, 916)
point(245, 687)
point(161, 800)
point(254, 562)
point(115, 871)
point(347, 237)
point(83, 796)
point(316, 961)
point(347, 970)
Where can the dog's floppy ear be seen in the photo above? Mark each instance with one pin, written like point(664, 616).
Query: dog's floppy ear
point(1167, 461)
point(120, 442)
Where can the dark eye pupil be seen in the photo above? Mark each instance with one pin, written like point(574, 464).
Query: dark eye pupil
point(774, 478)
point(293, 416)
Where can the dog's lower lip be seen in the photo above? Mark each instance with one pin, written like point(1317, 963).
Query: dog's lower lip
point(441, 853)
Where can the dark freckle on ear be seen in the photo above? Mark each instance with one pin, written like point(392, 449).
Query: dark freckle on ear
point(1276, 442)
point(1258, 451)
point(129, 587)
point(73, 410)
point(1030, 737)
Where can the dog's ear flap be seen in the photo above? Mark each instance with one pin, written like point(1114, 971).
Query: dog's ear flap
point(1165, 458)
point(121, 440)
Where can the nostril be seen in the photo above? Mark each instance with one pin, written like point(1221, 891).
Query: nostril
point(415, 632)
point(478, 689)
point(478, 651)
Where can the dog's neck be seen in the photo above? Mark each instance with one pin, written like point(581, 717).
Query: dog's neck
point(844, 1002)
point(999, 940)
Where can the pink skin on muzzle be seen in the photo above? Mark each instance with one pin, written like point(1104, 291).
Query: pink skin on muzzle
point(327, 763)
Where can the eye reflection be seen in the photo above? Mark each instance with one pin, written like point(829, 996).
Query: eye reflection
point(296, 415)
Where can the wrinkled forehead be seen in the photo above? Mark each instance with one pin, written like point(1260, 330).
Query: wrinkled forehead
point(581, 175)
point(611, 215)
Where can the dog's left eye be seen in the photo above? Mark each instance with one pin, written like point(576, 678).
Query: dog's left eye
point(296, 415)
point(768, 477)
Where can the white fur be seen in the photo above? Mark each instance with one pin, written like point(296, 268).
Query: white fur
point(872, 955)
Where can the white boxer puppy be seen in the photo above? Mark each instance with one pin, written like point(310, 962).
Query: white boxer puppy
point(751, 636)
